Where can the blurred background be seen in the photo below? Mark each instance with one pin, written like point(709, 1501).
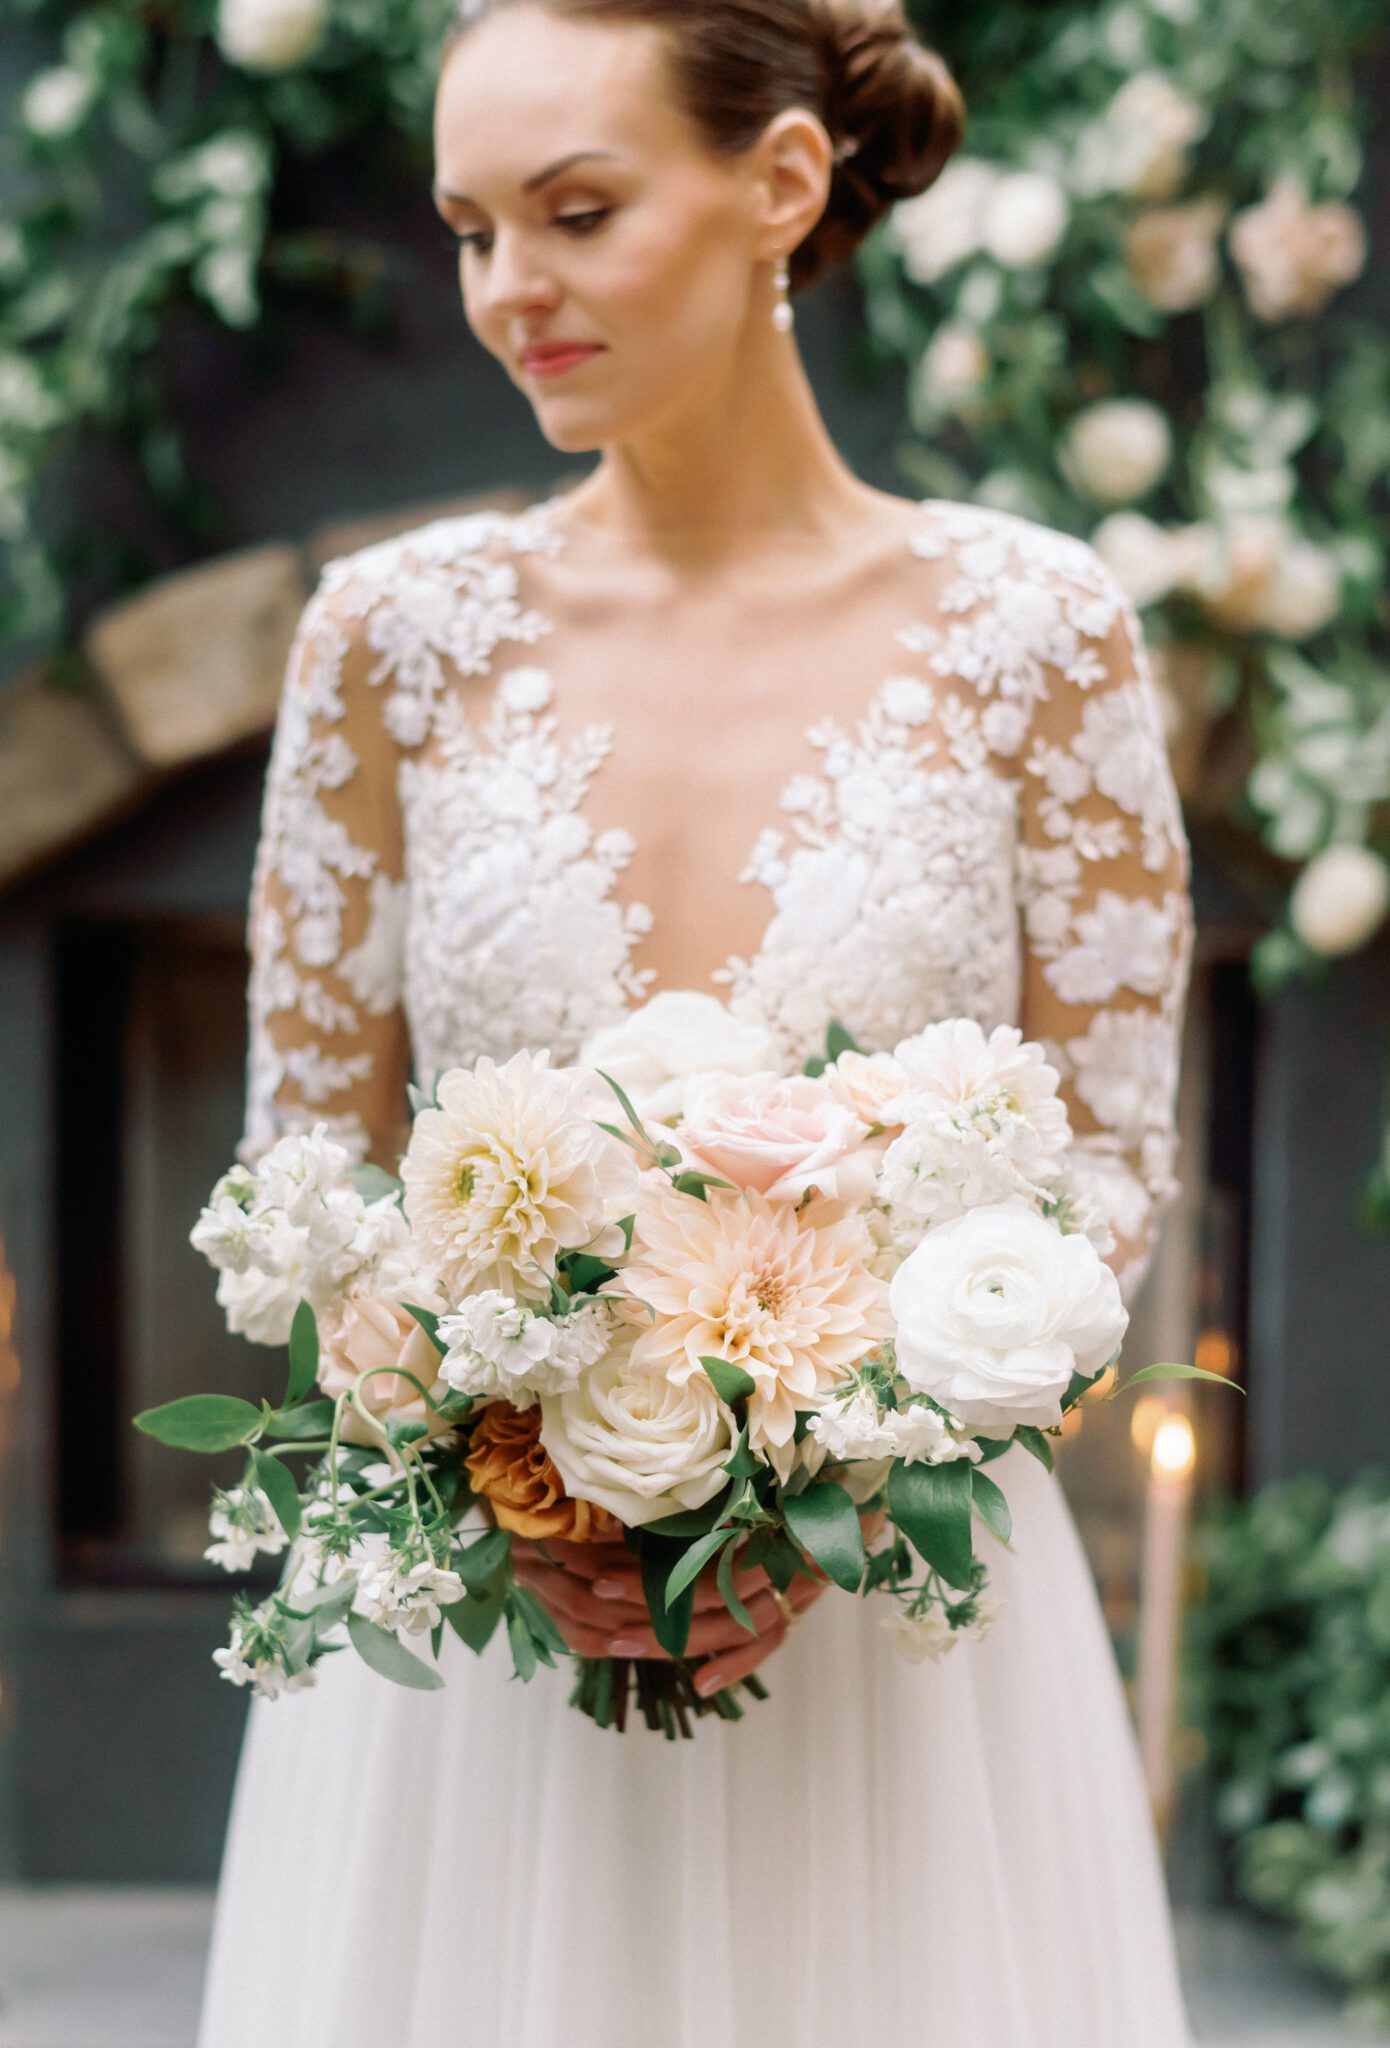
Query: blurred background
point(1144, 305)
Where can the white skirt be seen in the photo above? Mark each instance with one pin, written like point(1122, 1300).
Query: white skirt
point(954, 1855)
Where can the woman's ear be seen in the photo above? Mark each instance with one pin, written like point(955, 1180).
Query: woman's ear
point(792, 178)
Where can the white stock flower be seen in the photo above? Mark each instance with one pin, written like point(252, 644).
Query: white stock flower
point(853, 1427)
point(1116, 450)
point(658, 1048)
point(995, 1312)
point(953, 367)
point(241, 1523)
point(501, 1350)
point(982, 1120)
point(255, 1655)
point(510, 1171)
point(406, 1591)
point(270, 35)
point(1340, 899)
point(636, 1442)
point(1023, 219)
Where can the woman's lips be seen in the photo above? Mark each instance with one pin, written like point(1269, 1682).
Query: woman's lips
point(553, 362)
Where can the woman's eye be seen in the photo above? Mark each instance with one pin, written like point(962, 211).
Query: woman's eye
point(583, 223)
point(473, 239)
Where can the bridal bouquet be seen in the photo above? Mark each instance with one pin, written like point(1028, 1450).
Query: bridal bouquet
point(670, 1296)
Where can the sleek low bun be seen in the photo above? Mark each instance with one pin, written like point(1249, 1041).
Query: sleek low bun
point(895, 115)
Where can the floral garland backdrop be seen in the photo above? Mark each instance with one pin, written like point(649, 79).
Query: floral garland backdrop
point(1120, 311)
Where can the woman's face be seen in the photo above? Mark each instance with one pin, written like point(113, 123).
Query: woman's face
point(591, 213)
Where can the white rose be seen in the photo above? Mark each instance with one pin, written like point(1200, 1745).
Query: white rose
point(995, 1312)
point(1024, 218)
point(1117, 450)
point(778, 1136)
point(632, 1442)
point(1340, 899)
point(654, 1052)
point(941, 226)
point(270, 35)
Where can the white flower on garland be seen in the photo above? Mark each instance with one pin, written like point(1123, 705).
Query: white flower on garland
point(406, 1590)
point(1023, 219)
point(1341, 898)
point(270, 35)
point(242, 1522)
point(256, 1653)
point(1116, 450)
point(57, 101)
point(501, 1350)
point(941, 227)
point(1140, 143)
point(930, 1634)
point(1293, 255)
point(953, 369)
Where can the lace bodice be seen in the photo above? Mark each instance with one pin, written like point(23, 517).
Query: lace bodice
point(992, 831)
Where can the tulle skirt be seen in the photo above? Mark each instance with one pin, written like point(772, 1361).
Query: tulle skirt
point(954, 1855)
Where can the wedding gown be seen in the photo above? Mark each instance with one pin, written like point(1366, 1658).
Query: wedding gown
point(952, 1855)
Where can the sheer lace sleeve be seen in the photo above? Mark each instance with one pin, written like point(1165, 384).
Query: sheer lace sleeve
point(1104, 880)
point(328, 1038)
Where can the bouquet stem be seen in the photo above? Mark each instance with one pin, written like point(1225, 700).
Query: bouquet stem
point(664, 1692)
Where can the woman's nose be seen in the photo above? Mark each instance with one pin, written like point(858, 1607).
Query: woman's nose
point(514, 282)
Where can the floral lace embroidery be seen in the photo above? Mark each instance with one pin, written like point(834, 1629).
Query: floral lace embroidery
point(998, 837)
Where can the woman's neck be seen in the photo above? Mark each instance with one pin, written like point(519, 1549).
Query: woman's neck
point(747, 460)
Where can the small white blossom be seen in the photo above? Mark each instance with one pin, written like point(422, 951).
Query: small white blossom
point(406, 1591)
point(853, 1427)
point(242, 1522)
point(919, 1636)
point(255, 1656)
point(499, 1349)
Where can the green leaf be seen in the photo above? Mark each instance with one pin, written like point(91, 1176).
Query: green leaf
point(730, 1382)
point(990, 1504)
point(304, 1354)
point(992, 1447)
point(628, 1111)
point(373, 1183)
point(825, 1522)
point(744, 1464)
point(1033, 1441)
point(692, 1183)
point(201, 1422)
point(931, 1505)
point(524, 1659)
point(1178, 1372)
point(690, 1521)
point(782, 1561)
point(429, 1323)
point(389, 1657)
point(838, 1040)
point(729, 1593)
point(276, 1481)
point(585, 1273)
point(328, 1605)
point(540, 1621)
point(475, 1619)
point(310, 1418)
point(670, 1623)
point(694, 1562)
point(479, 1563)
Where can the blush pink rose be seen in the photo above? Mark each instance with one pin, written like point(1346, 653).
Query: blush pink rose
point(777, 1136)
point(368, 1331)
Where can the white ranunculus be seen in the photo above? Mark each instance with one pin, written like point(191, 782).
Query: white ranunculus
point(654, 1052)
point(1117, 450)
point(1024, 218)
point(941, 226)
point(996, 1310)
point(1140, 552)
point(1340, 899)
point(270, 35)
point(632, 1441)
point(953, 367)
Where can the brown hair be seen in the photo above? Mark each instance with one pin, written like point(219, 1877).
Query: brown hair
point(891, 106)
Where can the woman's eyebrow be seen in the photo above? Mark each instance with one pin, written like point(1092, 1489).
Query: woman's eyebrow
point(537, 179)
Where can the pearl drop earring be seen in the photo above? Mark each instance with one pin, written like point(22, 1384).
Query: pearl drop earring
point(782, 315)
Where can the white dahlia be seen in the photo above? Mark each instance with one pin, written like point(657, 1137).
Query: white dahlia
point(510, 1171)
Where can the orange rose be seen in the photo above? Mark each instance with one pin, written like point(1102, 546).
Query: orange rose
point(508, 1464)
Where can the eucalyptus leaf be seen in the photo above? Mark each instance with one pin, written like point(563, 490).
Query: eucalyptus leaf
point(825, 1522)
point(201, 1422)
point(389, 1657)
point(730, 1382)
point(304, 1354)
point(523, 1643)
point(277, 1483)
point(931, 1505)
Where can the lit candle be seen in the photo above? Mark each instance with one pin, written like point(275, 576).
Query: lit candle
point(1171, 1461)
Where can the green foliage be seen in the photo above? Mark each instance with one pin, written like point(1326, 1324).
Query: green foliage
point(201, 1422)
point(931, 1505)
point(1289, 1662)
point(825, 1522)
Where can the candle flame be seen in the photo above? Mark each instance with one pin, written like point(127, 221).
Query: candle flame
point(1174, 1447)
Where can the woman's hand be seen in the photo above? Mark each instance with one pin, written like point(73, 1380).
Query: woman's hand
point(594, 1593)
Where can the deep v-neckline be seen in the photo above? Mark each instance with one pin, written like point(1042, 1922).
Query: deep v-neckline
point(890, 722)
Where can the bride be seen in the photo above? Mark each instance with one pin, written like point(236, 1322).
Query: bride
point(719, 718)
